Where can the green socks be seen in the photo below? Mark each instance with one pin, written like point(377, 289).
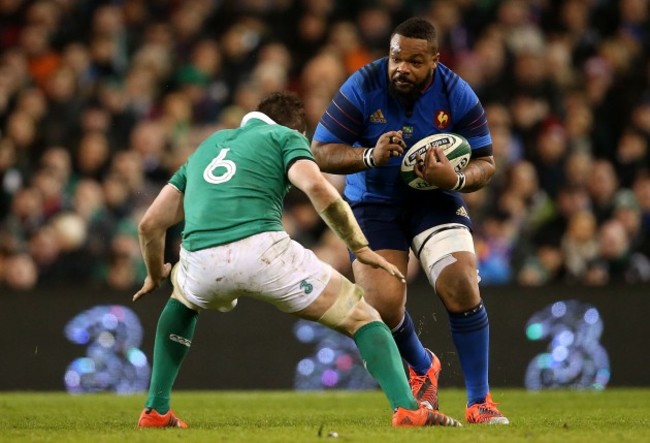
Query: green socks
point(176, 330)
point(173, 339)
point(382, 360)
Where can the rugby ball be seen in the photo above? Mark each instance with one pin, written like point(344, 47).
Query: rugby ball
point(455, 147)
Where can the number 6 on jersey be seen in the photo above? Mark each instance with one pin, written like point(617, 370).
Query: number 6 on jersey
point(219, 162)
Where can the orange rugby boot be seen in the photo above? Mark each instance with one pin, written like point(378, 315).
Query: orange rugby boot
point(425, 387)
point(423, 416)
point(486, 413)
point(150, 418)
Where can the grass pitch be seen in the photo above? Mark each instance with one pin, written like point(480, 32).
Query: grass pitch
point(615, 415)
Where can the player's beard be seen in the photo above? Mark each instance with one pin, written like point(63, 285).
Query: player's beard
point(413, 93)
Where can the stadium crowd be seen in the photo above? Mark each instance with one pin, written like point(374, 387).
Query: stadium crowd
point(101, 101)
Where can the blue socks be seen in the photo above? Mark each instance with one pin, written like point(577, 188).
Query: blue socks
point(410, 347)
point(471, 334)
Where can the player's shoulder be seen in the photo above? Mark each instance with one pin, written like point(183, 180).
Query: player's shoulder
point(451, 82)
point(283, 135)
point(372, 76)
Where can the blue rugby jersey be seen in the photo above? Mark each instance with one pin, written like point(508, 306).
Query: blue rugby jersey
point(363, 109)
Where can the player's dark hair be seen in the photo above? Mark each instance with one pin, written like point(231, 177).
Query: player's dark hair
point(419, 28)
point(286, 109)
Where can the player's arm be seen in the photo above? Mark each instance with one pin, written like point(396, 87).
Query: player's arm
point(478, 173)
point(341, 158)
point(338, 158)
point(436, 169)
point(339, 129)
point(305, 175)
point(165, 211)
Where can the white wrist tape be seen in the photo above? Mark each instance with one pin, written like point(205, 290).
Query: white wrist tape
point(369, 158)
point(460, 182)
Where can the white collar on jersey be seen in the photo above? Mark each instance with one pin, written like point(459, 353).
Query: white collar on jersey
point(258, 115)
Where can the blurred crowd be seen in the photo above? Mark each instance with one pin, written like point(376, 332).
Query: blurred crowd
point(101, 101)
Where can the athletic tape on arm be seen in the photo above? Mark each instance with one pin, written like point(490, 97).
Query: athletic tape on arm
point(338, 216)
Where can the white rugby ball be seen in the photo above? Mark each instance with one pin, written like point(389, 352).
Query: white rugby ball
point(455, 147)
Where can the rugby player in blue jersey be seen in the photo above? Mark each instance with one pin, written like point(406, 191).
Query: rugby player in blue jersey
point(380, 111)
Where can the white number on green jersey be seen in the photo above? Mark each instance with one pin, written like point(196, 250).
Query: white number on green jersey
point(219, 162)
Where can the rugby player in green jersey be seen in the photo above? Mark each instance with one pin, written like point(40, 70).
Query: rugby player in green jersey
point(230, 194)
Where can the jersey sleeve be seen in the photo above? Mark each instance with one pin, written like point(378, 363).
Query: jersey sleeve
point(473, 122)
point(179, 179)
point(295, 147)
point(343, 121)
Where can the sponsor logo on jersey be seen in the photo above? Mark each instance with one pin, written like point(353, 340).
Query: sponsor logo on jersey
point(377, 117)
point(441, 119)
point(181, 340)
point(462, 212)
point(407, 132)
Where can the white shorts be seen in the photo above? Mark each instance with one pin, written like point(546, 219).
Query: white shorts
point(268, 266)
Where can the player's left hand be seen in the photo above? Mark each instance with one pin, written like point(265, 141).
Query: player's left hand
point(436, 169)
point(369, 257)
point(151, 284)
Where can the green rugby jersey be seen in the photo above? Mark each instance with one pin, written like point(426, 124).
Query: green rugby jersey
point(236, 180)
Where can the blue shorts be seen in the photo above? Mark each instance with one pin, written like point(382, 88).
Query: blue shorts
point(390, 225)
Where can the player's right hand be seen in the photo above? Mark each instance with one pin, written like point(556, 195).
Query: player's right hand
point(151, 284)
point(369, 257)
point(389, 144)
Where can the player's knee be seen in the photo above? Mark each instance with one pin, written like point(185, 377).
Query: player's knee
point(360, 315)
point(457, 286)
point(459, 275)
point(389, 300)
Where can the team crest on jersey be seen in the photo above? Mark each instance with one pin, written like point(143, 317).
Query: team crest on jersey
point(377, 117)
point(407, 132)
point(441, 119)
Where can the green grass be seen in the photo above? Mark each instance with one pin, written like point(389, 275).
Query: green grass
point(615, 415)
